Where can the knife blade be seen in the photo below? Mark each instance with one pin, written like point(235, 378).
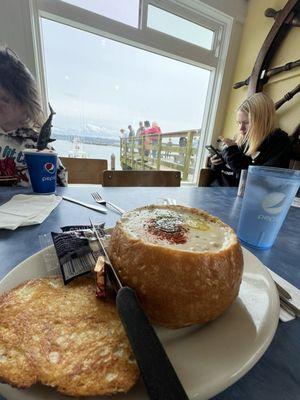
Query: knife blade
point(87, 205)
point(159, 376)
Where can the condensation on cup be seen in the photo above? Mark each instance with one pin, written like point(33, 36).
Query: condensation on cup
point(242, 183)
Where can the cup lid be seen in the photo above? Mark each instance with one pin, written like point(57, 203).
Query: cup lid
point(281, 173)
point(39, 152)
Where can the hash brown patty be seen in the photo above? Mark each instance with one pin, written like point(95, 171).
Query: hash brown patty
point(64, 337)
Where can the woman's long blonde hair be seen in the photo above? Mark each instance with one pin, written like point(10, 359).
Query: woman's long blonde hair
point(17, 80)
point(262, 121)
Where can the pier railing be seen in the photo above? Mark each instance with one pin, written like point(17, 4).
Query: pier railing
point(165, 151)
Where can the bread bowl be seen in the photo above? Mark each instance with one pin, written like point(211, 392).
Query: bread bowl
point(184, 264)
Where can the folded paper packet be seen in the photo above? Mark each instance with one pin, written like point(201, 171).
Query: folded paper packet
point(77, 250)
point(24, 209)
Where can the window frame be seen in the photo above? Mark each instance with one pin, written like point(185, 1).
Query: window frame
point(187, 14)
point(150, 40)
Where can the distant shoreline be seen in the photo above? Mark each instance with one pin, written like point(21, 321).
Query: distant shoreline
point(65, 148)
point(89, 140)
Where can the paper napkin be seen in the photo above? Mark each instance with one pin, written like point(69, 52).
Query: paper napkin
point(24, 209)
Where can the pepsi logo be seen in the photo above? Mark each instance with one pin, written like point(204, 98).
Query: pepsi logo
point(273, 202)
point(49, 167)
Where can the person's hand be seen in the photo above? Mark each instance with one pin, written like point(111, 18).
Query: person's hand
point(216, 160)
point(228, 142)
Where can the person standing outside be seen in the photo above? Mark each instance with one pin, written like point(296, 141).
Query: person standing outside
point(131, 133)
point(140, 129)
point(123, 134)
point(147, 140)
point(154, 131)
point(139, 134)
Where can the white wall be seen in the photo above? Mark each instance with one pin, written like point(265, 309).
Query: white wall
point(15, 30)
point(235, 8)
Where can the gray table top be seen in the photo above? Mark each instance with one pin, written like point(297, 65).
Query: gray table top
point(277, 374)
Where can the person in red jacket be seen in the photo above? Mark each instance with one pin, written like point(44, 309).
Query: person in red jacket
point(259, 142)
point(154, 130)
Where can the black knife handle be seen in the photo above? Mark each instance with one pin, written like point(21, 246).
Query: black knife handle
point(158, 374)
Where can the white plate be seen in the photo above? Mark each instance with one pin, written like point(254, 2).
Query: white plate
point(207, 358)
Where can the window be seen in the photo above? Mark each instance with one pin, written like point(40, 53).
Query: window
point(178, 27)
point(98, 86)
point(126, 11)
point(101, 76)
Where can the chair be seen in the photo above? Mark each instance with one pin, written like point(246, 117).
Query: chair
point(84, 170)
point(141, 178)
point(295, 149)
point(206, 175)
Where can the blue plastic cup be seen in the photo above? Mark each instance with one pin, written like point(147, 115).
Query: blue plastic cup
point(42, 167)
point(268, 195)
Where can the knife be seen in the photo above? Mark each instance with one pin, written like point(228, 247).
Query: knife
point(288, 304)
point(282, 291)
point(87, 205)
point(159, 376)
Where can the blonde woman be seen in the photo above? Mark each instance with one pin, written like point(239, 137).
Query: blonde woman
point(259, 141)
point(21, 118)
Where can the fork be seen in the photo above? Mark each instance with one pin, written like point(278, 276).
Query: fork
point(98, 199)
point(169, 201)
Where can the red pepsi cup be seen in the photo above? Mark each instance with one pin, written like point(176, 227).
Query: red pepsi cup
point(42, 167)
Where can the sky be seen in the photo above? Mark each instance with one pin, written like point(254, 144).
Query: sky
point(99, 85)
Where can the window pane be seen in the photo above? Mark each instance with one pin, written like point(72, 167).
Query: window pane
point(126, 11)
point(98, 86)
point(178, 27)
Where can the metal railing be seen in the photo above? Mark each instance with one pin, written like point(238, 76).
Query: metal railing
point(165, 151)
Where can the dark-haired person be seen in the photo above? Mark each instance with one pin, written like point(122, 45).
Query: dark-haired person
point(259, 141)
point(21, 118)
point(139, 133)
point(131, 133)
point(147, 140)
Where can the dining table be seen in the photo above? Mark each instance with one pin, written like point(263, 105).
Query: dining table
point(276, 375)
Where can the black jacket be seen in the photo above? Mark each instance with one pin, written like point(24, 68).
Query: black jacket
point(275, 151)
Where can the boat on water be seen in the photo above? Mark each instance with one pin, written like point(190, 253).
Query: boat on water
point(77, 149)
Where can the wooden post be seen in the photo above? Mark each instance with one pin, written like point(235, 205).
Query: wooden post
point(121, 152)
point(187, 158)
point(132, 151)
point(125, 148)
point(143, 151)
point(158, 154)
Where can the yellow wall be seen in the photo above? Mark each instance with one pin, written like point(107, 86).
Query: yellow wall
point(256, 28)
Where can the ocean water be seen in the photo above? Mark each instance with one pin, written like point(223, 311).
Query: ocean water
point(65, 147)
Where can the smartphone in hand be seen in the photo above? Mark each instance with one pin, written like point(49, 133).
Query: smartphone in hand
point(213, 151)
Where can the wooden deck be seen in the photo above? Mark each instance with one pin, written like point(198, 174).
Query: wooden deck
point(174, 151)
